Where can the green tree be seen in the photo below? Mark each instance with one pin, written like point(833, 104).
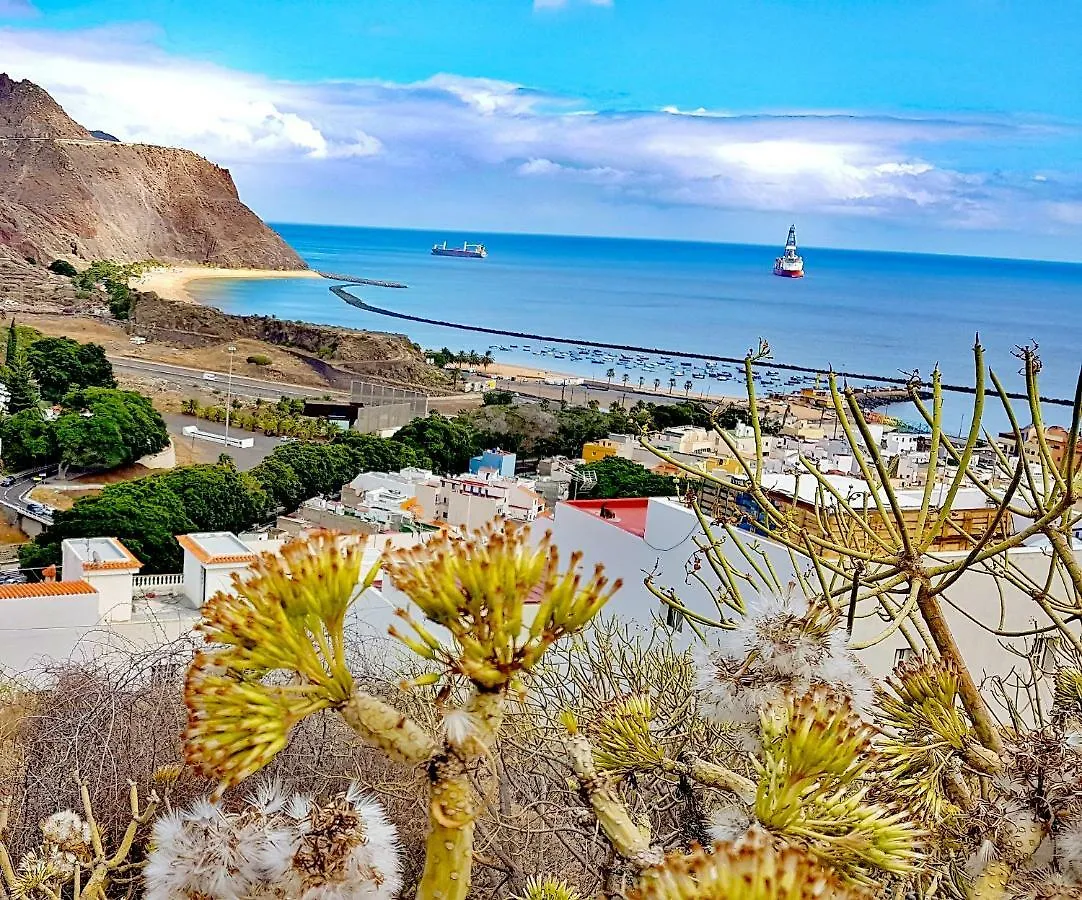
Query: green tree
point(28, 440)
point(144, 514)
point(218, 497)
point(498, 398)
point(280, 483)
point(104, 428)
point(619, 477)
point(449, 443)
point(20, 384)
point(13, 344)
point(60, 365)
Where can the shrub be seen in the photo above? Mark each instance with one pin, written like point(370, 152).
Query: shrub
point(259, 359)
point(63, 267)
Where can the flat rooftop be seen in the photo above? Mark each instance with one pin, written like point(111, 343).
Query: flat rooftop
point(216, 547)
point(102, 553)
point(626, 513)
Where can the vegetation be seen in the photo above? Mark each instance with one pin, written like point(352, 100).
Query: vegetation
point(28, 440)
point(259, 359)
point(63, 267)
point(282, 418)
point(498, 398)
point(619, 477)
point(60, 365)
point(22, 389)
point(147, 513)
point(112, 278)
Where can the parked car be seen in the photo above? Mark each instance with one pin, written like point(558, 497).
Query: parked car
point(209, 376)
point(7, 481)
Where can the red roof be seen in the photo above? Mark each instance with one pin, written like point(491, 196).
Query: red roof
point(629, 512)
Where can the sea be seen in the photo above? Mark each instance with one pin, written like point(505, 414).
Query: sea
point(869, 312)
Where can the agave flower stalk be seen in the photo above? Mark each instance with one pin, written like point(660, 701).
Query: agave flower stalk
point(752, 868)
point(279, 657)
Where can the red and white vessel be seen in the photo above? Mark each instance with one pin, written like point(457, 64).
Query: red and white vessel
point(789, 264)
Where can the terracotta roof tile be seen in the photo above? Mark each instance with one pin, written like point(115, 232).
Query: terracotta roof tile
point(190, 544)
point(46, 589)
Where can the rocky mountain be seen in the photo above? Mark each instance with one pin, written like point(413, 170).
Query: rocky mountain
point(66, 193)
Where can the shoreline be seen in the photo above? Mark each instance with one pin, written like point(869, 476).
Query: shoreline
point(171, 282)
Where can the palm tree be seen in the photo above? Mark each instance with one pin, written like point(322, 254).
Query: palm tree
point(487, 360)
point(625, 378)
point(474, 358)
point(610, 374)
point(672, 385)
point(687, 388)
point(642, 378)
point(657, 384)
point(191, 406)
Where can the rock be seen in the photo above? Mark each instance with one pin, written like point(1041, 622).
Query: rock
point(66, 193)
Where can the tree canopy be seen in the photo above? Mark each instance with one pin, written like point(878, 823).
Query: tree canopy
point(105, 428)
point(619, 477)
point(60, 364)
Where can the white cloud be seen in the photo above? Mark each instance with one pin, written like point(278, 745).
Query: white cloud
point(449, 129)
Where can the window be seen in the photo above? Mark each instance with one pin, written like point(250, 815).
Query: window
point(901, 655)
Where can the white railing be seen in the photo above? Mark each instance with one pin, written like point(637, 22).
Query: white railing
point(142, 582)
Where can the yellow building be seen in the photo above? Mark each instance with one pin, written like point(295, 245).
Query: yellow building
point(592, 451)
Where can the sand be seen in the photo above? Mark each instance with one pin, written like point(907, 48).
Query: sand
point(171, 282)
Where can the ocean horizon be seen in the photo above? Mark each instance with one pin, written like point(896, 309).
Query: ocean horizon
point(878, 312)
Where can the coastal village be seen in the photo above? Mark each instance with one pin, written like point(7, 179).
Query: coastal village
point(299, 610)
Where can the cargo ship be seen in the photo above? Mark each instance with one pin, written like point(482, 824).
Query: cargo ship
point(789, 264)
point(467, 250)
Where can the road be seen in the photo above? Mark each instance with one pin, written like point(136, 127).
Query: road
point(14, 494)
point(193, 378)
point(605, 394)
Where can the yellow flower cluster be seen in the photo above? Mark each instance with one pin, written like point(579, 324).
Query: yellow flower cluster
point(478, 590)
point(548, 888)
point(284, 622)
point(621, 736)
point(752, 868)
point(816, 752)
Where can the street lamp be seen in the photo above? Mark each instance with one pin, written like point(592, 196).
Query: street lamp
point(229, 389)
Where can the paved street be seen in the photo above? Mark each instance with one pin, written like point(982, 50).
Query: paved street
point(193, 378)
point(245, 458)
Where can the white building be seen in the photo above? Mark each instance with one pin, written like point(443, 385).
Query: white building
point(101, 606)
point(634, 537)
point(468, 502)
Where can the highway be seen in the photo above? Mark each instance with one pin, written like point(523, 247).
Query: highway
point(193, 378)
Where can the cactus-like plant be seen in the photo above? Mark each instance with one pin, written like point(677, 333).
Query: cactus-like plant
point(279, 656)
point(752, 868)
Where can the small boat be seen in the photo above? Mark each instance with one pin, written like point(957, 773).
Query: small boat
point(467, 250)
point(789, 264)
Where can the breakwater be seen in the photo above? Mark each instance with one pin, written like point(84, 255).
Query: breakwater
point(356, 279)
point(905, 383)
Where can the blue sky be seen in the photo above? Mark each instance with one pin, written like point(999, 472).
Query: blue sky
point(919, 125)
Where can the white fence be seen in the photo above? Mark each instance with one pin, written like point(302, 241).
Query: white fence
point(157, 584)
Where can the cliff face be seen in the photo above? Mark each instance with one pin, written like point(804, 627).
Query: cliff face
point(366, 354)
point(66, 193)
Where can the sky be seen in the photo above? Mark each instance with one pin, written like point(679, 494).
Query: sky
point(948, 126)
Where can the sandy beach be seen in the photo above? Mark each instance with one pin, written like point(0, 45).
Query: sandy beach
point(171, 282)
